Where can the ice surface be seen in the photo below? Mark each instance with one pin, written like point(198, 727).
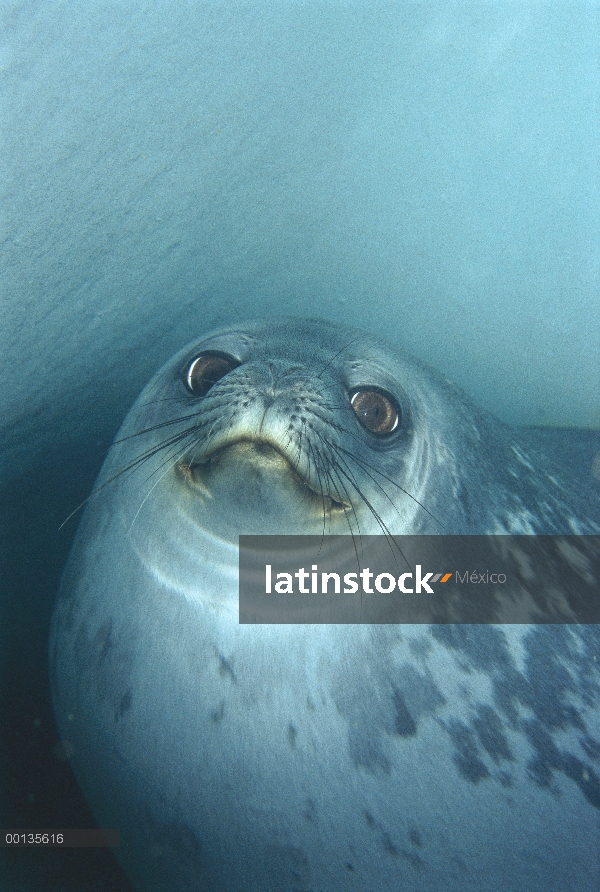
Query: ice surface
point(429, 172)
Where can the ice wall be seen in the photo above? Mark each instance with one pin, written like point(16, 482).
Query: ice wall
point(426, 171)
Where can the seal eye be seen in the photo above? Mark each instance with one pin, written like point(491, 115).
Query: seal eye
point(206, 370)
point(377, 411)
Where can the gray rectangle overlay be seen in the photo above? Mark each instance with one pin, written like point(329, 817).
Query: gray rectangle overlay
point(61, 839)
point(419, 579)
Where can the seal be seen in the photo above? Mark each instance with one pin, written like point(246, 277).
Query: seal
point(331, 757)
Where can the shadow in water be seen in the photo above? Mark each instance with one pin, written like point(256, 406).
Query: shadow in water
point(39, 790)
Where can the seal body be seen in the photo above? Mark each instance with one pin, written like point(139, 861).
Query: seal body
point(324, 758)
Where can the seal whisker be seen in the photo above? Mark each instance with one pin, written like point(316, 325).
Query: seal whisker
point(155, 450)
point(347, 516)
point(321, 487)
point(136, 462)
point(329, 468)
point(384, 528)
point(335, 356)
point(367, 468)
point(156, 402)
point(154, 427)
point(207, 411)
point(170, 464)
point(169, 457)
point(330, 471)
point(212, 432)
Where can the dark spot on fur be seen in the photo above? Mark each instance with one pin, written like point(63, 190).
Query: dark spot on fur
point(225, 667)
point(366, 752)
point(483, 647)
point(505, 779)
point(420, 694)
point(549, 681)
point(218, 713)
point(420, 647)
point(388, 845)
point(591, 747)
point(557, 669)
point(404, 724)
point(102, 640)
point(488, 726)
point(548, 756)
point(385, 839)
point(349, 866)
point(460, 863)
point(413, 859)
point(585, 777)
point(124, 705)
point(415, 838)
point(310, 812)
point(292, 735)
point(540, 772)
point(466, 757)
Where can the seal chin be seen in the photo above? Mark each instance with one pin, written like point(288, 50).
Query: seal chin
point(259, 482)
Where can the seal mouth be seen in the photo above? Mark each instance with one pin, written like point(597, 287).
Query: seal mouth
point(259, 453)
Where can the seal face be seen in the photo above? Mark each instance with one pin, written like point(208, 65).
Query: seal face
point(319, 757)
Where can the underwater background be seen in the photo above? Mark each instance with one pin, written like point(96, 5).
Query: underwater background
point(425, 171)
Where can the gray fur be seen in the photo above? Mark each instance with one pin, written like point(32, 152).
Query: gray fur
point(320, 757)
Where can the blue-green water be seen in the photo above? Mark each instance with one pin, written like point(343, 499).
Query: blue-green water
point(426, 171)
